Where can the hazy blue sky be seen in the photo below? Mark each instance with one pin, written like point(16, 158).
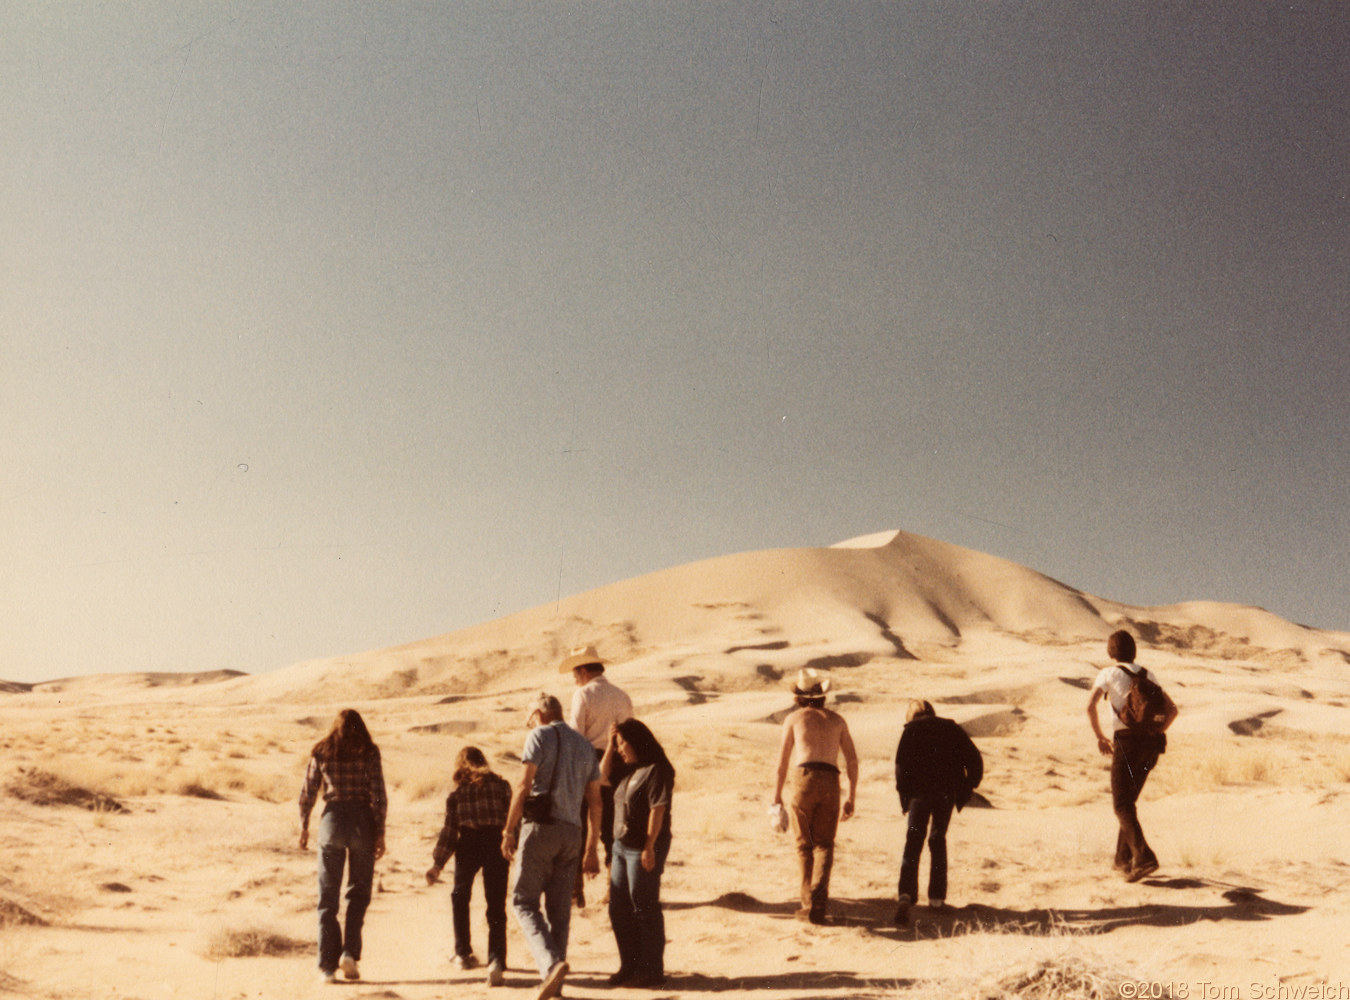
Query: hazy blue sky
point(333, 326)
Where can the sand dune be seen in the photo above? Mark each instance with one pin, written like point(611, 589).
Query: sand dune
point(907, 597)
point(1247, 808)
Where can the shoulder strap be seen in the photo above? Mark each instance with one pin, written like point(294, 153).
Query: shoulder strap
point(557, 752)
point(1128, 673)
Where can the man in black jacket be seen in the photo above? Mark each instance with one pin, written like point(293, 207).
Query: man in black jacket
point(936, 767)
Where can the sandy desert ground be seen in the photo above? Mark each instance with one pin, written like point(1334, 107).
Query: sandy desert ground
point(148, 847)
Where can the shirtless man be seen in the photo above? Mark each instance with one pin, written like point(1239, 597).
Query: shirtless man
point(813, 738)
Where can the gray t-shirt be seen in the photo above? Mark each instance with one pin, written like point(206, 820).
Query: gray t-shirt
point(641, 791)
point(559, 751)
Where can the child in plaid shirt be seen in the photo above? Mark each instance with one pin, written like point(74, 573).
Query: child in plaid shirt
point(475, 813)
point(346, 765)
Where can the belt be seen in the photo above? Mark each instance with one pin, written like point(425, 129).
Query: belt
point(819, 765)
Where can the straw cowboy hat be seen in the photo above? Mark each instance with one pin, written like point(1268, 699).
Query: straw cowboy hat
point(580, 657)
point(811, 683)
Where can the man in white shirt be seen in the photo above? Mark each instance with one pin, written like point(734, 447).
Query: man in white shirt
point(596, 706)
point(1133, 754)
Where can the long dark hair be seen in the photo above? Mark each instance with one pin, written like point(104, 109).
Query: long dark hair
point(347, 740)
point(645, 746)
point(470, 767)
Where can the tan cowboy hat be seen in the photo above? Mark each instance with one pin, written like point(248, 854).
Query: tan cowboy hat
point(580, 657)
point(811, 683)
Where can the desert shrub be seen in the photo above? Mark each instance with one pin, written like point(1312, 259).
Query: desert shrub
point(251, 942)
point(12, 914)
point(1064, 978)
point(199, 791)
point(44, 788)
point(1057, 964)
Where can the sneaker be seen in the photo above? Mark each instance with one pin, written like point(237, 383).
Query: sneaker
point(328, 976)
point(937, 904)
point(1141, 871)
point(496, 973)
point(553, 982)
point(466, 962)
point(348, 966)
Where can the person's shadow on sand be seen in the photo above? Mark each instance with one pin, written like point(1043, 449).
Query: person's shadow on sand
point(1239, 903)
point(692, 982)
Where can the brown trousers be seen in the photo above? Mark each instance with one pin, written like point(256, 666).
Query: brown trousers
point(813, 812)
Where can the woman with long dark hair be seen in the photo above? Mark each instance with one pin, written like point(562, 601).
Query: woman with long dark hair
point(346, 765)
point(475, 813)
point(643, 780)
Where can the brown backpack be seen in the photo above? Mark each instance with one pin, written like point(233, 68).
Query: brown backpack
point(1147, 707)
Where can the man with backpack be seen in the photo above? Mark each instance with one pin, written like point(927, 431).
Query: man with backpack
point(1141, 711)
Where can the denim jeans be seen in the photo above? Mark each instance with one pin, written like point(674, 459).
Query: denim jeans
point(346, 837)
point(928, 817)
point(480, 849)
point(635, 910)
point(547, 860)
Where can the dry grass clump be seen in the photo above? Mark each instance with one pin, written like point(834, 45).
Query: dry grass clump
point(12, 914)
point(111, 780)
point(45, 788)
point(1284, 759)
point(252, 942)
point(1062, 978)
point(1056, 964)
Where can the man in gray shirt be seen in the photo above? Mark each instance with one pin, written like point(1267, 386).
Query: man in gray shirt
point(558, 762)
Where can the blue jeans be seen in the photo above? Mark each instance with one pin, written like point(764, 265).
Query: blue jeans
point(346, 833)
point(547, 861)
point(635, 910)
point(928, 817)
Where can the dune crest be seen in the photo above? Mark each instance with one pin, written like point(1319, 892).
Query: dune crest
point(886, 595)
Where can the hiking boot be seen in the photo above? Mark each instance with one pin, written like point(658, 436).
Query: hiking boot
point(622, 978)
point(349, 967)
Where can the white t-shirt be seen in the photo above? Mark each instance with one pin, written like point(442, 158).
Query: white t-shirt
point(1116, 683)
point(596, 706)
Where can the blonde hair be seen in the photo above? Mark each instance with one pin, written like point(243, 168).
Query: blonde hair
point(918, 709)
point(470, 766)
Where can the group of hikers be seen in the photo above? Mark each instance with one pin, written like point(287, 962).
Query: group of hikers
point(600, 780)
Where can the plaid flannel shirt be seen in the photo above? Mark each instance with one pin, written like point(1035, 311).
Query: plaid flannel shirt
point(359, 779)
point(478, 804)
